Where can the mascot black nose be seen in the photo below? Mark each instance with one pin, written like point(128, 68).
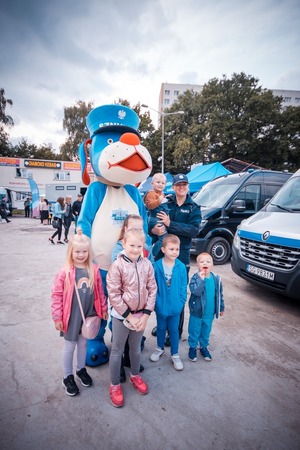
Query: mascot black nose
point(130, 139)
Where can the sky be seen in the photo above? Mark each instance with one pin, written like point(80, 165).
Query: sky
point(57, 52)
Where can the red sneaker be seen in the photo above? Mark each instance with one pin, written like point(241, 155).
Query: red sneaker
point(116, 395)
point(139, 384)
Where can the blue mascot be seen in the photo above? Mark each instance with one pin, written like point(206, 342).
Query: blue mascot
point(119, 162)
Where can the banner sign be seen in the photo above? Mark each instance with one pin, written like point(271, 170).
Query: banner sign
point(75, 165)
point(9, 161)
point(40, 164)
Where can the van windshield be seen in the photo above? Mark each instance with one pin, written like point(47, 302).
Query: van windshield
point(288, 198)
point(215, 193)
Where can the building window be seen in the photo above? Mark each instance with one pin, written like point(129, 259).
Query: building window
point(62, 176)
point(166, 101)
point(287, 99)
point(24, 173)
point(176, 93)
point(297, 99)
point(167, 92)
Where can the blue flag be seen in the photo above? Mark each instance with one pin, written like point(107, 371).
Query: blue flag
point(35, 197)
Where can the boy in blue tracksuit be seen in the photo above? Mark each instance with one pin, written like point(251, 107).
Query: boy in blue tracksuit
point(205, 303)
point(171, 279)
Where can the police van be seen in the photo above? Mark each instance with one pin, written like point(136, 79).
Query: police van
point(226, 201)
point(266, 247)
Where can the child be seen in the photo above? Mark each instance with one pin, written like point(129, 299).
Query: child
point(206, 301)
point(155, 201)
point(131, 289)
point(132, 221)
point(171, 278)
point(66, 314)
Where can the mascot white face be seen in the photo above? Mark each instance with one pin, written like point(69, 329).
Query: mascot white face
point(116, 154)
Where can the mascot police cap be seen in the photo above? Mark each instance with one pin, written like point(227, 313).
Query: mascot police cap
point(112, 117)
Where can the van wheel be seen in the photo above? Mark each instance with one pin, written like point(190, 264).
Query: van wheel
point(220, 250)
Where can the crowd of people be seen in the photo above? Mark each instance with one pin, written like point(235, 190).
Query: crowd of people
point(62, 214)
point(144, 276)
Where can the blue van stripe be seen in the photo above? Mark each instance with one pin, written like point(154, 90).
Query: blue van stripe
point(276, 240)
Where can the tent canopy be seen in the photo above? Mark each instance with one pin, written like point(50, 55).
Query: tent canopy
point(201, 175)
point(197, 177)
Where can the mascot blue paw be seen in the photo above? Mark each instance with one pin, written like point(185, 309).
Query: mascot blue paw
point(97, 351)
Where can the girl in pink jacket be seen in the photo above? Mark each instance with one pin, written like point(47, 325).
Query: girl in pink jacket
point(66, 314)
point(131, 288)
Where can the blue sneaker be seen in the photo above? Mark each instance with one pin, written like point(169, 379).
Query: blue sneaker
point(205, 353)
point(193, 354)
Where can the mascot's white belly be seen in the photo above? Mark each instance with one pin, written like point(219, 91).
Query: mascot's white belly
point(108, 222)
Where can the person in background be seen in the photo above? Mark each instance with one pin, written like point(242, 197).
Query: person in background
point(155, 201)
point(41, 208)
point(183, 220)
point(79, 270)
point(27, 207)
point(68, 216)
point(76, 209)
point(58, 213)
point(171, 279)
point(45, 211)
point(50, 213)
point(206, 302)
point(3, 209)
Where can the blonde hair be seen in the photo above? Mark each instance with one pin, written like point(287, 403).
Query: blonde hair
point(125, 224)
point(159, 174)
point(203, 254)
point(139, 234)
point(170, 239)
point(79, 238)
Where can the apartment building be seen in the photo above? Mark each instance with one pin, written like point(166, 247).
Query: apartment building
point(169, 93)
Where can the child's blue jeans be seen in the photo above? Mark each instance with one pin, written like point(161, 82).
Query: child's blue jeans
point(171, 323)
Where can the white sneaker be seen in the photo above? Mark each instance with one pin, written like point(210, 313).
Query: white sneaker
point(177, 362)
point(156, 354)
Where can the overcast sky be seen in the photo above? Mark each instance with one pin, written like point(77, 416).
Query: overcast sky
point(56, 52)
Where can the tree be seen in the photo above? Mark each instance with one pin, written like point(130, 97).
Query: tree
point(232, 118)
point(5, 120)
point(75, 125)
point(25, 150)
point(288, 139)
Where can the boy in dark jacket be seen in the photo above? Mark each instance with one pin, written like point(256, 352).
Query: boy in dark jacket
point(171, 279)
point(206, 302)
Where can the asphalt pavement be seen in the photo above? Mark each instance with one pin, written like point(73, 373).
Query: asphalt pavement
point(247, 397)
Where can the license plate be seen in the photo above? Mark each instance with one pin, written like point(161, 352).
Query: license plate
point(260, 272)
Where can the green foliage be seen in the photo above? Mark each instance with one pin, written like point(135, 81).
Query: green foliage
point(232, 118)
point(74, 124)
point(26, 150)
point(5, 120)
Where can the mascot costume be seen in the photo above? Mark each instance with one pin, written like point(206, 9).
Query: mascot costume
point(119, 162)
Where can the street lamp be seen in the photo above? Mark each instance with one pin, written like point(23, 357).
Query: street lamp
point(163, 115)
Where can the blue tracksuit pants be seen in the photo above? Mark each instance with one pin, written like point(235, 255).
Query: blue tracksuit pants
point(199, 331)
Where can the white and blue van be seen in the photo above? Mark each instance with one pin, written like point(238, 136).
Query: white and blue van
point(266, 246)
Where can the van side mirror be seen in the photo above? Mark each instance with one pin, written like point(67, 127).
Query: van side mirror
point(238, 205)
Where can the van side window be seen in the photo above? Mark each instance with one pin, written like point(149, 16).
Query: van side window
point(251, 196)
point(271, 190)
